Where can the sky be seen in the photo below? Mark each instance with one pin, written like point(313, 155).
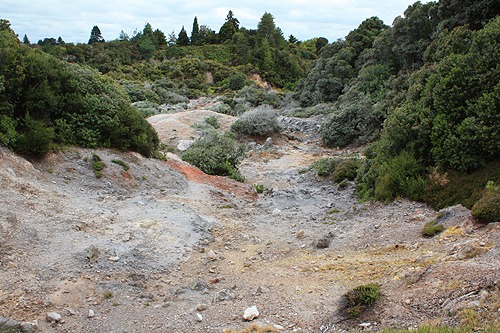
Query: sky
point(305, 19)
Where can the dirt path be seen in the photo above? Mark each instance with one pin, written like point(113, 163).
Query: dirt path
point(161, 247)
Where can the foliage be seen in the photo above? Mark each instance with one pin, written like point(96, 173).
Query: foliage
point(36, 138)
point(97, 165)
point(260, 121)
point(431, 229)
point(47, 101)
point(402, 176)
point(487, 208)
point(449, 188)
point(216, 154)
point(212, 121)
point(325, 166)
point(347, 169)
point(360, 298)
point(259, 188)
point(124, 165)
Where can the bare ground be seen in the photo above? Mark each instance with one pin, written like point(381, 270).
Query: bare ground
point(162, 247)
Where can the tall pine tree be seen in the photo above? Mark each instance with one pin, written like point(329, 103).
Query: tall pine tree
point(195, 33)
point(183, 39)
point(95, 35)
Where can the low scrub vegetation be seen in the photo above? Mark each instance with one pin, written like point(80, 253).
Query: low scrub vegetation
point(431, 229)
point(359, 299)
point(260, 121)
point(216, 154)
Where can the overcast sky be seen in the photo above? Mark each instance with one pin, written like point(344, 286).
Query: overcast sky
point(73, 19)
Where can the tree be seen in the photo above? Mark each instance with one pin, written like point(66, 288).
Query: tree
point(183, 39)
point(123, 36)
point(26, 40)
point(268, 30)
point(293, 40)
point(320, 43)
point(95, 35)
point(159, 38)
point(229, 28)
point(172, 39)
point(195, 32)
point(60, 41)
point(148, 31)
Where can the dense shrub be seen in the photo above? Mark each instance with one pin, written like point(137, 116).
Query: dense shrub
point(360, 298)
point(36, 138)
point(403, 176)
point(347, 169)
point(258, 96)
point(260, 121)
point(487, 208)
point(216, 154)
point(325, 166)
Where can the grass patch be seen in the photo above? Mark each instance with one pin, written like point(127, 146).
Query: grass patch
point(431, 229)
point(122, 163)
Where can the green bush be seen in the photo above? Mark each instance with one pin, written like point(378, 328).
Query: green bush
point(347, 169)
point(487, 208)
point(360, 298)
point(36, 139)
point(325, 166)
point(216, 154)
point(260, 121)
point(431, 229)
point(402, 176)
point(8, 132)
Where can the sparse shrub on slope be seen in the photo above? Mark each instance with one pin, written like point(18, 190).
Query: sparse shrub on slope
point(216, 154)
point(360, 298)
point(487, 208)
point(260, 121)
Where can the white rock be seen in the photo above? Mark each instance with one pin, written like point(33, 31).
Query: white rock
point(199, 317)
point(251, 313)
point(212, 255)
point(184, 144)
point(276, 212)
point(91, 314)
point(278, 327)
point(53, 317)
point(115, 258)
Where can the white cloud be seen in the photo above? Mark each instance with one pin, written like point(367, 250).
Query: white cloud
point(73, 20)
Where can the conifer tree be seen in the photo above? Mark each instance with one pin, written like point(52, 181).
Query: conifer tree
point(26, 40)
point(195, 32)
point(95, 35)
point(183, 39)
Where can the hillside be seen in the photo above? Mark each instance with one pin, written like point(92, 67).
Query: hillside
point(163, 247)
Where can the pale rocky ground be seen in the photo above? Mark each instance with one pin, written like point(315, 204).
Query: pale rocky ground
point(164, 248)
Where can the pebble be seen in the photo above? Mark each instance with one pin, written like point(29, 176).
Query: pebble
point(199, 317)
point(70, 312)
point(251, 313)
point(91, 314)
point(201, 307)
point(115, 259)
point(301, 234)
point(53, 317)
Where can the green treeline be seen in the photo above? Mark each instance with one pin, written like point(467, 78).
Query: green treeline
point(150, 54)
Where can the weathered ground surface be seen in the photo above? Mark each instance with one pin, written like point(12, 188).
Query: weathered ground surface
point(162, 247)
